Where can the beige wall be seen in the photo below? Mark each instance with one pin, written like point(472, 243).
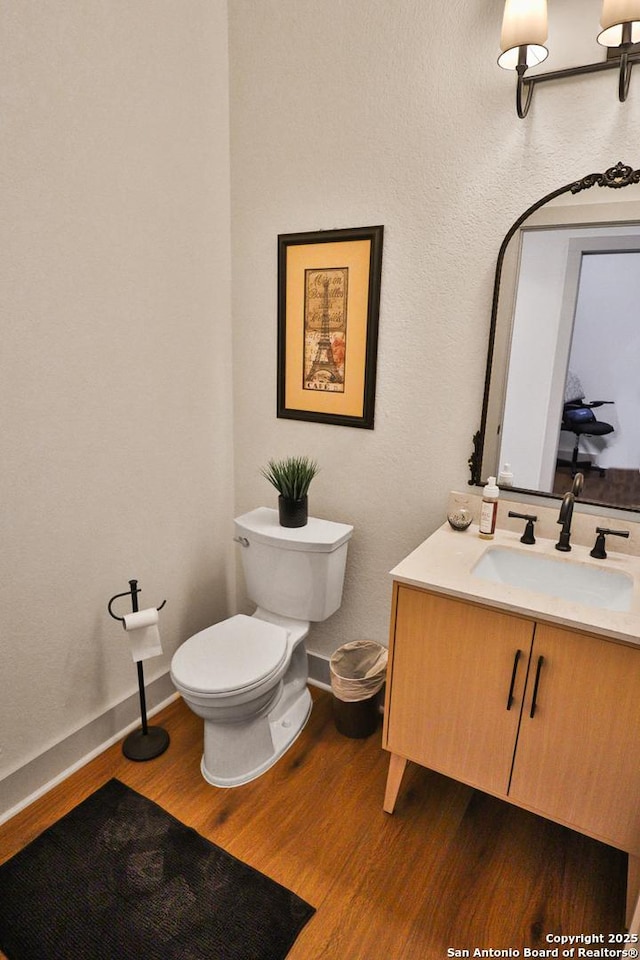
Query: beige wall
point(116, 445)
point(115, 363)
point(367, 112)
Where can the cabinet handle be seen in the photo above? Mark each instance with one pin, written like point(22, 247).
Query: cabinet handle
point(513, 678)
point(535, 687)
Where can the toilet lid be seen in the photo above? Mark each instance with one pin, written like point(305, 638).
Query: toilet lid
point(237, 653)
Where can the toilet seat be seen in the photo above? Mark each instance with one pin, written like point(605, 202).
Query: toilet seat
point(237, 654)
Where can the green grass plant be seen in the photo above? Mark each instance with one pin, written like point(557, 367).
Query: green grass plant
point(291, 477)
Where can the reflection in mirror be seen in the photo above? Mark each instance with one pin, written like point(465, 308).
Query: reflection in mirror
point(562, 391)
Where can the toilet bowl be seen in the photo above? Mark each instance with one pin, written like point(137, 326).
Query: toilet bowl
point(246, 676)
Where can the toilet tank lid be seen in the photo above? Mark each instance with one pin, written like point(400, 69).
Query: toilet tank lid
point(321, 536)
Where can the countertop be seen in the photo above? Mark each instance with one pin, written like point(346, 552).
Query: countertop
point(444, 561)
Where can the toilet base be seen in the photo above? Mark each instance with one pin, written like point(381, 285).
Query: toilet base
point(238, 753)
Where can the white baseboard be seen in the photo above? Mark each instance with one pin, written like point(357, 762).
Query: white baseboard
point(45, 771)
point(319, 674)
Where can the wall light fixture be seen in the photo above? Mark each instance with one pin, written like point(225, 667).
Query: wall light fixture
point(524, 37)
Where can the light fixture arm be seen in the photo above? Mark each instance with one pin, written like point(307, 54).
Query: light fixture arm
point(625, 77)
point(625, 63)
point(524, 88)
point(521, 68)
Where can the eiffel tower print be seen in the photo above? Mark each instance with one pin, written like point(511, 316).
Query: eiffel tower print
point(324, 373)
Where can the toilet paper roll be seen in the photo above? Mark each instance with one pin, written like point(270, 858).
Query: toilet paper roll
point(144, 636)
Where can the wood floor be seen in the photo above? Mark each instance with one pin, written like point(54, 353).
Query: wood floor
point(619, 487)
point(452, 868)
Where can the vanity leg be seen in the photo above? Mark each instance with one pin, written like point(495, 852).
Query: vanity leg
point(397, 766)
point(633, 895)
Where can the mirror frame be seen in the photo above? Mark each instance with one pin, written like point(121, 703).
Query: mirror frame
point(617, 177)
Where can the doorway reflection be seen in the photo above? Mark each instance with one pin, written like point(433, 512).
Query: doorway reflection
point(600, 410)
point(573, 365)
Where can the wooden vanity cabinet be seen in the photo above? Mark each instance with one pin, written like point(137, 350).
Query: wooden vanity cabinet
point(450, 679)
point(545, 717)
point(577, 758)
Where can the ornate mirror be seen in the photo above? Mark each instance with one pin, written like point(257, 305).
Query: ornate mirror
point(562, 388)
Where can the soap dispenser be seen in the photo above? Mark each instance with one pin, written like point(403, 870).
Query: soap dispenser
point(505, 477)
point(489, 509)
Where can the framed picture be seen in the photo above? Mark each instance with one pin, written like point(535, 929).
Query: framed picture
point(328, 307)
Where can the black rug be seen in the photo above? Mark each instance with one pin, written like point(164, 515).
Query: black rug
point(118, 878)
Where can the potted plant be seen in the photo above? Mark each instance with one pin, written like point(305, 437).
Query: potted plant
point(291, 478)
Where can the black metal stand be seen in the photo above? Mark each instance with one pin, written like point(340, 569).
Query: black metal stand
point(148, 742)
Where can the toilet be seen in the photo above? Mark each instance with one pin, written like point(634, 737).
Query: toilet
point(247, 676)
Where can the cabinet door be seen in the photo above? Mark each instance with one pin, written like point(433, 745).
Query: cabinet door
point(451, 675)
point(578, 757)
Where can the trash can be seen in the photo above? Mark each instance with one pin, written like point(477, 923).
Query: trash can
point(358, 670)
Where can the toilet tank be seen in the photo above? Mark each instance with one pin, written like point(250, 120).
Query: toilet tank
point(296, 572)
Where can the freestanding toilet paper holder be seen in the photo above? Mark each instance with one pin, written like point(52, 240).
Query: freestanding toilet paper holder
point(148, 742)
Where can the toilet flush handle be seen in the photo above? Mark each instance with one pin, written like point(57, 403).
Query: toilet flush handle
point(242, 541)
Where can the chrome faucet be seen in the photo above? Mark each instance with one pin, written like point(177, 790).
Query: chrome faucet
point(566, 513)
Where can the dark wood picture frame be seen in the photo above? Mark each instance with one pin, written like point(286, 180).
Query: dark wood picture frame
point(328, 314)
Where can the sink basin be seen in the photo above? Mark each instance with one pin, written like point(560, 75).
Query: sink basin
point(566, 579)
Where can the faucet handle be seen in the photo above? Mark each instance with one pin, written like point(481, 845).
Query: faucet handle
point(599, 551)
point(527, 536)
